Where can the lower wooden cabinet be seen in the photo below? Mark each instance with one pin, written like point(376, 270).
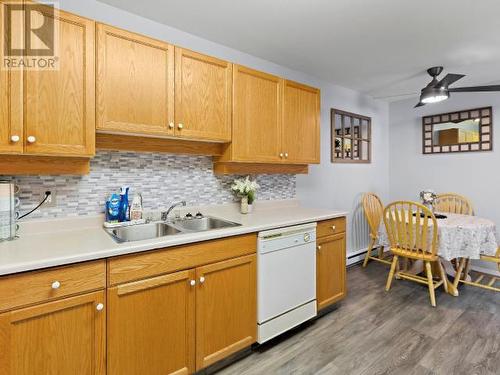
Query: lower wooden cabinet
point(67, 336)
point(226, 309)
point(330, 270)
point(151, 326)
point(182, 322)
point(161, 318)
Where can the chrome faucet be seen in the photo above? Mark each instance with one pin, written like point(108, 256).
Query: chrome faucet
point(164, 214)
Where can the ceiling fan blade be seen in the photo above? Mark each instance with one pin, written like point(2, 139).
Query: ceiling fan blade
point(419, 104)
point(396, 96)
point(449, 79)
point(476, 88)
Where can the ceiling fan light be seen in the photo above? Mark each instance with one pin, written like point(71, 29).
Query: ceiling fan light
point(434, 99)
point(434, 95)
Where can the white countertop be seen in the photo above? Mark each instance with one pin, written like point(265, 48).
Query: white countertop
point(49, 243)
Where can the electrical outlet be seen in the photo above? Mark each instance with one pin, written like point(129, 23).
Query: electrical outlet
point(51, 200)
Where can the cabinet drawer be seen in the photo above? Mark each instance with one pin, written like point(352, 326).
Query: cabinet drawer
point(153, 263)
point(42, 286)
point(329, 227)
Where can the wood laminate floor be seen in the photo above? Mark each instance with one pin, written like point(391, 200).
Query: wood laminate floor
point(374, 332)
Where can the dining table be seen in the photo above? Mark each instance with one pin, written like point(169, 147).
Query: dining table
point(459, 237)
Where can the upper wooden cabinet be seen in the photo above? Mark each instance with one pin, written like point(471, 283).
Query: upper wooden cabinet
point(301, 123)
point(59, 104)
point(139, 86)
point(203, 87)
point(135, 83)
point(61, 337)
point(11, 102)
point(257, 116)
point(51, 111)
point(274, 122)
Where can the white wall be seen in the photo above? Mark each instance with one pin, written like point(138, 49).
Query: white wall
point(474, 174)
point(339, 186)
point(330, 186)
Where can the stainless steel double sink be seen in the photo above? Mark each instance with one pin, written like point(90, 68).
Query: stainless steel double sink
point(161, 229)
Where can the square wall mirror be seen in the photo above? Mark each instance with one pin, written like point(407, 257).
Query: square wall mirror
point(463, 131)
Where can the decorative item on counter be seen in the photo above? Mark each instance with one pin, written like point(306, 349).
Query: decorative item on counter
point(428, 197)
point(245, 189)
point(124, 214)
point(136, 208)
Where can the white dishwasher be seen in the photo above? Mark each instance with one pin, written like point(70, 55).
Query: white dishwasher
point(286, 286)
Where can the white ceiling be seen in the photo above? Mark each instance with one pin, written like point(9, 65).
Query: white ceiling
point(381, 48)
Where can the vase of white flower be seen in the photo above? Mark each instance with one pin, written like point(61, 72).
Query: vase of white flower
point(245, 189)
point(244, 205)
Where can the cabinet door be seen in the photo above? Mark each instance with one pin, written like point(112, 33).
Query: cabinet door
point(301, 125)
point(330, 270)
point(257, 116)
point(151, 326)
point(226, 309)
point(11, 101)
point(135, 83)
point(62, 337)
point(203, 87)
point(59, 104)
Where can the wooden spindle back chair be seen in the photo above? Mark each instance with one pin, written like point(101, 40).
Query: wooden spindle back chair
point(458, 204)
point(483, 280)
point(374, 210)
point(412, 231)
point(453, 203)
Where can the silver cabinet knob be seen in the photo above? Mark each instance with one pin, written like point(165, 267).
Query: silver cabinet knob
point(56, 285)
point(319, 247)
point(192, 282)
point(281, 155)
point(180, 126)
point(15, 139)
point(202, 279)
point(286, 155)
point(334, 227)
point(171, 125)
point(99, 307)
point(31, 139)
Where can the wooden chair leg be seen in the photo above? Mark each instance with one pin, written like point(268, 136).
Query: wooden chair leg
point(443, 276)
point(467, 269)
point(430, 283)
point(398, 268)
point(391, 273)
point(369, 252)
point(381, 252)
point(461, 266)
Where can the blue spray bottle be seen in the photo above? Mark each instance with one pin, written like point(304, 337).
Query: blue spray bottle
point(124, 206)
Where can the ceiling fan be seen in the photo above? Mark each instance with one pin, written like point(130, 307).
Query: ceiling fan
point(437, 91)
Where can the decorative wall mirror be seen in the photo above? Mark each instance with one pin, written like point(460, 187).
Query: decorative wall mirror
point(351, 137)
point(463, 131)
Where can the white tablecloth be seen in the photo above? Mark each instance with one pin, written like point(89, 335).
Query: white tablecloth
point(460, 236)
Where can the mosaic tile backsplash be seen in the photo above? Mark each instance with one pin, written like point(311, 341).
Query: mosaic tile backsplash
point(160, 178)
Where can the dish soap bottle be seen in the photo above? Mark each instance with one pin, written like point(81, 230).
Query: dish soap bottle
point(124, 206)
point(136, 208)
point(113, 208)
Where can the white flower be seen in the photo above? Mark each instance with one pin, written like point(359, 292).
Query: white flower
point(244, 187)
